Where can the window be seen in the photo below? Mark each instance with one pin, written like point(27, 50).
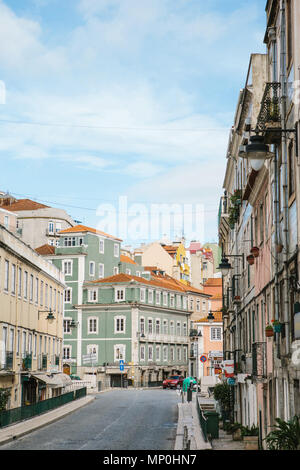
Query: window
point(116, 270)
point(179, 354)
point(165, 353)
point(185, 354)
point(67, 328)
point(150, 326)
point(184, 303)
point(150, 296)
point(142, 326)
point(6, 221)
point(58, 227)
point(198, 307)
point(128, 271)
point(215, 334)
point(178, 329)
point(51, 227)
point(150, 353)
point(67, 267)
point(67, 352)
point(172, 350)
point(138, 274)
point(178, 301)
point(18, 342)
point(92, 325)
point(92, 268)
point(165, 327)
point(142, 295)
point(291, 174)
point(92, 295)
point(68, 295)
point(172, 300)
point(157, 327)
point(41, 293)
point(157, 298)
point(165, 298)
point(101, 270)
point(142, 353)
point(157, 353)
point(36, 290)
point(116, 250)
point(171, 328)
point(13, 278)
point(25, 284)
point(31, 288)
point(70, 241)
point(191, 304)
point(50, 298)
point(184, 329)
point(119, 295)
point(120, 324)
point(101, 245)
point(119, 352)
point(6, 275)
point(20, 282)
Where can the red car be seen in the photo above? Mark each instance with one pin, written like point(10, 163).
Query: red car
point(173, 382)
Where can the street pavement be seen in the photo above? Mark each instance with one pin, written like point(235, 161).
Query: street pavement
point(116, 420)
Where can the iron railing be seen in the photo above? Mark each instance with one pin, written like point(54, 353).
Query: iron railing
point(259, 360)
point(26, 361)
point(270, 105)
point(202, 421)
point(8, 417)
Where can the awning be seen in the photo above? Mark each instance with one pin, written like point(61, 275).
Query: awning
point(47, 379)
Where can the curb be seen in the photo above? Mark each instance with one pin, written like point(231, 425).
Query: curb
point(35, 426)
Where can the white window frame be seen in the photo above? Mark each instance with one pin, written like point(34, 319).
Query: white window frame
point(172, 328)
point(94, 325)
point(142, 352)
point(117, 290)
point(198, 305)
point(101, 244)
point(157, 322)
point(157, 356)
point(128, 271)
point(68, 290)
point(142, 328)
point(69, 349)
point(150, 320)
point(68, 262)
point(116, 250)
point(172, 300)
point(6, 275)
point(91, 295)
point(157, 293)
point(92, 272)
point(119, 319)
point(172, 354)
point(20, 282)
point(13, 278)
point(178, 328)
point(179, 353)
point(66, 326)
point(101, 270)
point(213, 337)
point(142, 294)
point(165, 299)
point(165, 327)
point(122, 349)
point(150, 296)
point(165, 353)
point(92, 349)
point(150, 348)
point(116, 270)
point(178, 302)
point(184, 302)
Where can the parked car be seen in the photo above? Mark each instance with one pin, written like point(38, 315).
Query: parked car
point(174, 381)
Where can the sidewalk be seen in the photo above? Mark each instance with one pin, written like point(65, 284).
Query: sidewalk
point(188, 427)
point(22, 428)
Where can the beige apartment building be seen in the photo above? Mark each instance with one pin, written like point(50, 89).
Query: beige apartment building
point(31, 323)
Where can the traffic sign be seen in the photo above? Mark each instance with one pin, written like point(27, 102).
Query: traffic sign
point(203, 358)
point(121, 361)
point(121, 367)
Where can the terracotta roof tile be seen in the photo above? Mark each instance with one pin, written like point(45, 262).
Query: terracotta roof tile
point(45, 250)
point(24, 205)
point(126, 259)
point(83, 228)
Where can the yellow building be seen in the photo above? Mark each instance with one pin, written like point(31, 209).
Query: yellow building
point(31, 323)
point(177, 251)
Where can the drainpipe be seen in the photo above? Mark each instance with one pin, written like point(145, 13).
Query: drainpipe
point(277, 228)
point(283, 81)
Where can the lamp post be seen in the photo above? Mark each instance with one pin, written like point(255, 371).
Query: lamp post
point(50, 317)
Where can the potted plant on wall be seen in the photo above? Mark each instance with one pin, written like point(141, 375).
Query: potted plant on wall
point(255, 251)
point(269, 331)
point(250, 259)
point(250, 437)
point(276, 326)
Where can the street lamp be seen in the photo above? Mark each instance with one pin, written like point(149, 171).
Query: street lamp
point(210, 317)
point(50, 317)
point(224, 266)
point(73, 324)
point(257, 152)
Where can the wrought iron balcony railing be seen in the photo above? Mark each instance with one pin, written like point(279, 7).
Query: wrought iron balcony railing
point(270, 106)
point(259, 360)
point(7, 360)
point(26, 361)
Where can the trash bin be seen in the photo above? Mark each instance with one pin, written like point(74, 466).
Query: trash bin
point(189, 394)
point(212, 423)
point(99, 386)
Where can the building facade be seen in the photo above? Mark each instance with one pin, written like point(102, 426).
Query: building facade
point(31, 323)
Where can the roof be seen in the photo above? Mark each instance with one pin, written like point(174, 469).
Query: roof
point(83, 228)
point(213, 282)
point(162, 281)
point(170, 249)
point(126, 259)
point(45, 250)
point(213, 286)
point(24, 205)
point(217, 315)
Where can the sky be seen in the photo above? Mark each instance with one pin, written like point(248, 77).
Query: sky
point(103, 101)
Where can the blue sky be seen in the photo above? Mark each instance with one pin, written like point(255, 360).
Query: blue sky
point(133, 98)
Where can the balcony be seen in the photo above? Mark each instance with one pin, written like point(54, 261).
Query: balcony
point(259, 361)
point(223, 212)
point(7, 360)
point(26, 361)
point(269, 118)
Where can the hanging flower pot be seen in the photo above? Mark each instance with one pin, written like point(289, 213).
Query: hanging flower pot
point(279, 248)
point(276, 326)
point(250, 259)
point(255, 251)
point(269, 331)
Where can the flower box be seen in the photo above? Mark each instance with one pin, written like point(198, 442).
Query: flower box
point(255, 251)
point(251, 442)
